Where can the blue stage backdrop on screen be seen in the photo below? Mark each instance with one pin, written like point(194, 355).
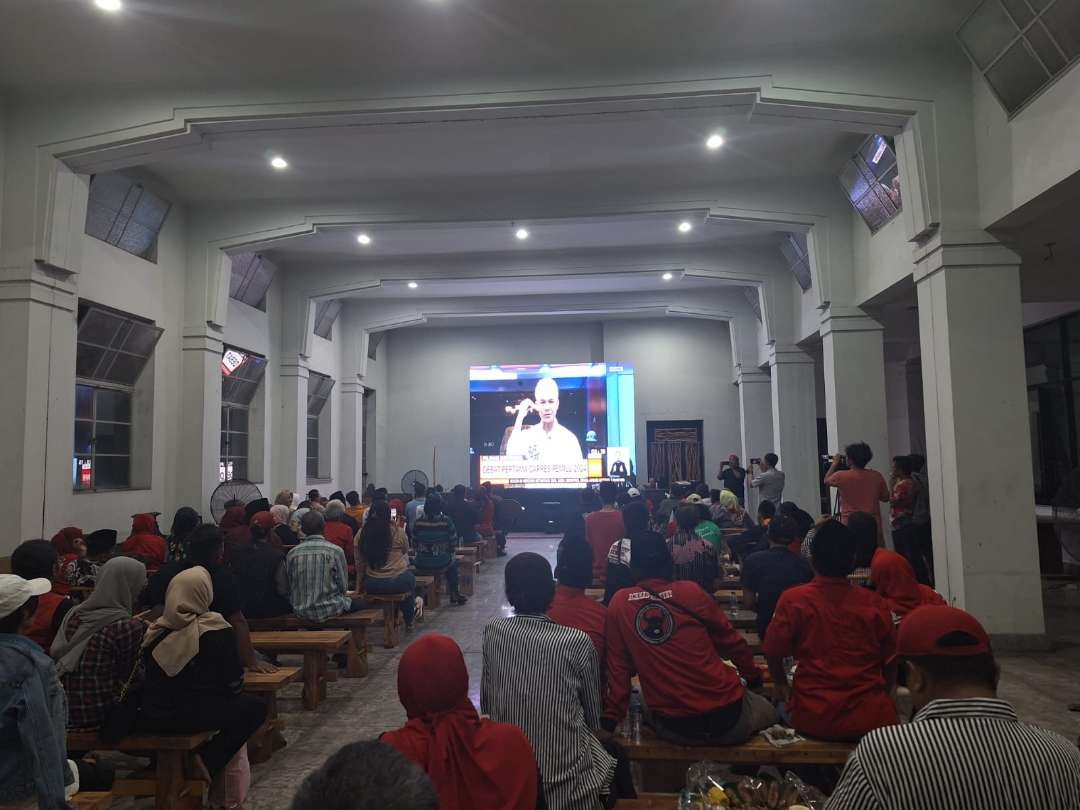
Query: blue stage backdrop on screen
point(552, 425)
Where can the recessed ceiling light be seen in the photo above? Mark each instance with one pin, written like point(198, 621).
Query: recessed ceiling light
point(667, 277)
point(685, 227)
point(714, 141)
point(521, 233)
point(413, 285)
point(363, 239)
point(279, 163)
point(109, 5)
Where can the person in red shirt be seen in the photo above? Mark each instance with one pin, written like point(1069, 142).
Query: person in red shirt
point(145, 542)
point(37, 559)
point(675, 637)
point(338, 532)
point(571, 607)
point(603, 528)
point(842, 638)
point(861, 490)
point(70, 545)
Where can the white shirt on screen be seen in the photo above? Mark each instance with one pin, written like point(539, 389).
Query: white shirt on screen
point(555, 446)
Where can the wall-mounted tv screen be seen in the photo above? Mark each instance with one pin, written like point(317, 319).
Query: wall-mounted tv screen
point(872, 181)
point(552, 425)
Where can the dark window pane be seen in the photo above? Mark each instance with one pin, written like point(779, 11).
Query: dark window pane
point(238, 444)
point(1045, 48)
point(113, 406)
point(112, 438)
point(113, 472)
point(84, 402)
point(1063, 20)
point(1043, 353)
point(313, 448)
point(87, 359)
point(1016, 76)
point(1019, 11)
point(84, 432)
point(99, 327)
point(987, 33)
point(240, 468)
point(142, 339)
point(224, 443)
point(137, 240)
point(238, 419)
point(312, 468)
point(124, 369)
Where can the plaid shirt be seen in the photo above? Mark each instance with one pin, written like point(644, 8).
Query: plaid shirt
point(104, 669)
point(318, 579)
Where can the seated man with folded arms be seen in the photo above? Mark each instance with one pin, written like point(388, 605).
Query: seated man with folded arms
point(675, 637)
point(965, 749)
point(842, 639)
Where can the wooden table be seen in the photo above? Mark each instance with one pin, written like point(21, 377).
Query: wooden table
point(357, 623)
point(314, 645)
point(756, 751)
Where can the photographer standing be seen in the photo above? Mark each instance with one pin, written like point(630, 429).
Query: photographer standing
point(861, 490)
point(734, 478)
point(770, 481)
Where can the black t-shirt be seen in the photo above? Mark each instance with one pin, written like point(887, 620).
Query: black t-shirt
point(735, 481)
point(769, 573)
point(215, 671)
point(227, 598)
point(465, 517)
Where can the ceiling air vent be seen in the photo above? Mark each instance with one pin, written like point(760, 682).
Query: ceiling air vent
point(1021, 46)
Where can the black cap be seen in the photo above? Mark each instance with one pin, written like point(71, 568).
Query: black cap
point(100, 541)
point(254, 507)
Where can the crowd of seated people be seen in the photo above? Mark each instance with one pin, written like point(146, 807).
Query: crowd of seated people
point(556, 678)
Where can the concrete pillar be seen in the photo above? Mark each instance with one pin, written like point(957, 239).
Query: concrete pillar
point(37, 365)
point(795, 425)
point(200, 418)
point(755, 419)
point(350, 464)
point(977, 431)
point(291, 458)
point(854, 355)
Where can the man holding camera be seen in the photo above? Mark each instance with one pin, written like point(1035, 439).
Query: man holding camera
point(770, 481)
point(734, 478)
point(861, 490)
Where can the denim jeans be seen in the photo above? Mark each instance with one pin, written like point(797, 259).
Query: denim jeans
point(402, 583)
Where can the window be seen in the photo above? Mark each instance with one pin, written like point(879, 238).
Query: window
point(1052, 358)
point(798, 258)
point(871, 180)
point(251, 277)
point(318, 426)
point(753, 298)
point(126, 215)
point(112, 349)
point(1021, 46)
point(241, 374)
point(326, 313)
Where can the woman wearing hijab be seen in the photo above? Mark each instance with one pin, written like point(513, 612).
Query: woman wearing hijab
point(193, 673)
point(473, 762)
point(70, 545)
point(890, 574)
point(98, 643)
point(184, 523)
point(145, 541)
point(234, 526)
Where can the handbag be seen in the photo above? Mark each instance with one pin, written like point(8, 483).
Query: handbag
point(122, 717)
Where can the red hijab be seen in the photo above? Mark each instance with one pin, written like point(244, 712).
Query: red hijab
point(64, 541)
point(894, 580)
point(474, 763)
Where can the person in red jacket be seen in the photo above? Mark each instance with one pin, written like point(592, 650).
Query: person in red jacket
point(70, 545)
point(675, 637)
point(338, 532)
point(571, 607)
point(891, 575)
point(603, 528)
point(37, 559)
point(146, 542)
point(842, 639)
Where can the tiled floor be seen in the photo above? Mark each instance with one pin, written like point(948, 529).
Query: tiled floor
point(1039, 684)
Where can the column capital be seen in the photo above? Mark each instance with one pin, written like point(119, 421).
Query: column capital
point(788, 355)
point(294, 365)
point(39, 283)
point(352, 386)
point(751, 376)
point(836, 318)
point(960, 249)
point(202, 338)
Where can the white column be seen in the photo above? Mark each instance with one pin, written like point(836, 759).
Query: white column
point(755, 419)
point(199, 453)
point(291, 455)
point(795, 425)
point(854, 354)
point(350, 465)
point(977, 431)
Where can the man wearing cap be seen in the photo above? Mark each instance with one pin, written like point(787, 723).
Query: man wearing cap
point(675, 637)
point(965, 748)
point(33, 733)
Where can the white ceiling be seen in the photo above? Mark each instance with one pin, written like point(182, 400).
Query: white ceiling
point(333, 246)
point(60, 44)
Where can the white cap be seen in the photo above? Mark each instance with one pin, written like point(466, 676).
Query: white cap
point(16, 591)
point(633, 492)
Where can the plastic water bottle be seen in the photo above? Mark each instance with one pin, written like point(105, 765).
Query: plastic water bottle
point(634, 726)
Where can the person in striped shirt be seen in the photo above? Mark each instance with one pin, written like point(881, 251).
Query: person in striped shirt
point(318, 574)
point(965, 749)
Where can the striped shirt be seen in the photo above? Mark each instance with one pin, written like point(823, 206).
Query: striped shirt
point(544, 678)
point(318, 579)
point(968, 754)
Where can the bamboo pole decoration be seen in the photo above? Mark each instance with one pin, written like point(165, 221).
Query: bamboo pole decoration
point(434, 452)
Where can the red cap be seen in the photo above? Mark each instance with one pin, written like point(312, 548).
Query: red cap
point(262, 520)
point(924, 631)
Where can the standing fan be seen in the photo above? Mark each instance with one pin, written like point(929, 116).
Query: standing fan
point(238, 490)
point(410, 478)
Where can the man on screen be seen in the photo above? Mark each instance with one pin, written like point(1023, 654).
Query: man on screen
point(548, 442)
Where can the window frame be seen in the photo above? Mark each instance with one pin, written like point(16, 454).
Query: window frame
point(320, 390)
point(95, 387)
point(227, 430)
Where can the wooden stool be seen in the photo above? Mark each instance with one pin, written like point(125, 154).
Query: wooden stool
point(426, 586)
point(357, 622)
point(91, 800)
point(315, 646)
point(391, 608)
point(268, 739)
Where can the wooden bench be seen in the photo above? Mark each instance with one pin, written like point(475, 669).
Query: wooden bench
point(468, 572)
point(470, 552)
point(314, 645)
point(649, 801)
point(269, 737)
point(390, 605)
point(663, 764)
point(357, 623)
point(171, 791)
point(91, 800)
point(426, 585)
